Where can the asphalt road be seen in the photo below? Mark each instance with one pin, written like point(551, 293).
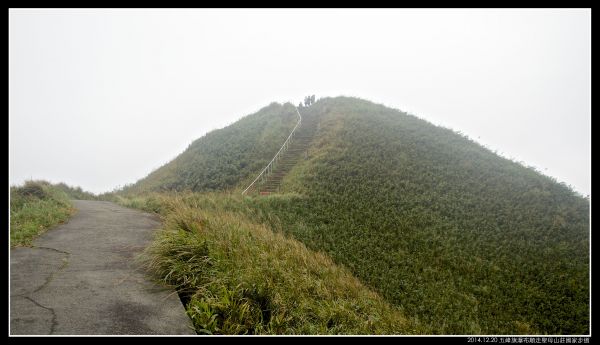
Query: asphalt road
point(81, 278)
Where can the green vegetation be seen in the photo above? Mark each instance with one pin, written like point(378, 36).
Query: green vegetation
point(75, 192)
point(223, 158)
point(461, 240)
point(241, 277)
point(464, 240)
point(35, 207)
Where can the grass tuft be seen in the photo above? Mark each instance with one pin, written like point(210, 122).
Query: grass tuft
point(34, 208)
point(241, 277)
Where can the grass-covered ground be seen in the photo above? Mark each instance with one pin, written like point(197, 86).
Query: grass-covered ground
point(34, 208)
point(463, 241)
point(226, 157)
point(244, 277)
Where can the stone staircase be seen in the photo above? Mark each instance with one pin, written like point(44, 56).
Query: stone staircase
point(295, 152)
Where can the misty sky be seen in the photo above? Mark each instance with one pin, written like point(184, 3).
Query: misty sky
point(100, 98)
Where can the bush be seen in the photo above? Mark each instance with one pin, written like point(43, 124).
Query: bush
point(33, 189)
point(34, 208)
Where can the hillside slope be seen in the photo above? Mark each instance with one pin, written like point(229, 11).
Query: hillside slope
point(460, 239)
point(456, 235)
point(237, 276)
point(223, 158)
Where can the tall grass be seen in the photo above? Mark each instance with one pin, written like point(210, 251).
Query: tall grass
point(34, 208)
point(469, 242)
point(464, 240)
point(75, 192)
point(243, 277)
point(227, 157)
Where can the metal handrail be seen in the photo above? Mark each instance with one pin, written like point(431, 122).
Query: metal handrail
point(269, 167)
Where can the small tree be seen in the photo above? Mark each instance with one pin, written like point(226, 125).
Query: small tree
point(312, 99)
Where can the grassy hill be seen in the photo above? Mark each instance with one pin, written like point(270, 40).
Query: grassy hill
point(469, 241)
point(461, 240)
point(223, 158)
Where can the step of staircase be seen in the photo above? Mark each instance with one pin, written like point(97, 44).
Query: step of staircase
point(295, 153)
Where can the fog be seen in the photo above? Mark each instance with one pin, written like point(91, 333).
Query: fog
point(100, 98)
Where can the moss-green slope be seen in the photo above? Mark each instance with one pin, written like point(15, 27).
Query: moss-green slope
point(226, 158)
point(459, 237)
point(462, 240)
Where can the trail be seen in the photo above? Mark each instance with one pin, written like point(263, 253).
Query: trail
point(81, 278)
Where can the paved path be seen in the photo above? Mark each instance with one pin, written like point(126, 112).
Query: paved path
point(81, 278)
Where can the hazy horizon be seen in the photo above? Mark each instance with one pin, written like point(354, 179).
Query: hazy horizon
point(100, 98)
